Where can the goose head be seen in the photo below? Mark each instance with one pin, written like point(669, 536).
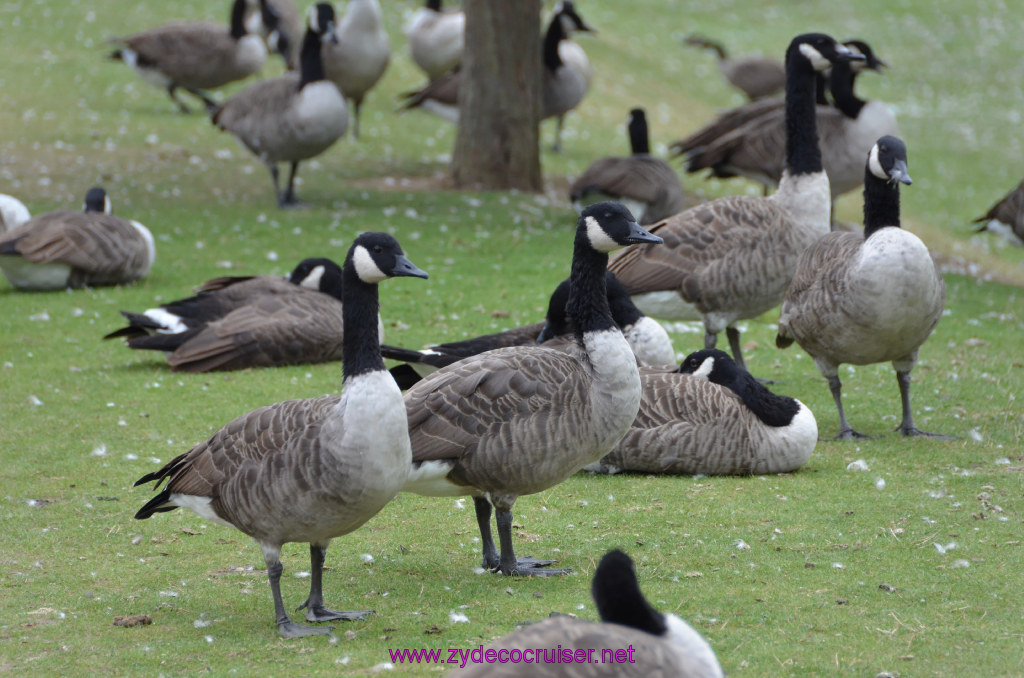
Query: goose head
point(378, 256)
point(97, 200)
point(609, 226)
point(887, 160)
point(318, 273)
point(820, 51)
point(711, 364)
point(570, 19)
point(871, 61)
point(320, 21)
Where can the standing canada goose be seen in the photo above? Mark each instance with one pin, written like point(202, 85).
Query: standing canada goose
point(659, 644)
point(436, 39)
point(13, 213)
point(279, 323)
point(308, 470)
point(755, 149)
point(756, 77)
point(711, 417)
point(1006, 216)
point(519, 420)
point(647, 185)
point(280, 24)
point(293, 117)
point(867, 298)
point(648, 339)
point(64, 248)
point(733, 258)
point(359, 55)
point(194, 56)
point(566, 76)
point(216, 298)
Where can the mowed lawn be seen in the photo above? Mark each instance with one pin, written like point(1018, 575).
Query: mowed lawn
point(909, 566)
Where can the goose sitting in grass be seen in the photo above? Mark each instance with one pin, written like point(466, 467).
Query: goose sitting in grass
point(632, 640)
point(648, 339)
point(1006, 216)
point(871, 297)
point(65, 248)
point(291, 118)
point(308, 470)
point(516, 421)
point(711, 417)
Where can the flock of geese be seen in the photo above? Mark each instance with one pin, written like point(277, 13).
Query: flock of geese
point(594, 385)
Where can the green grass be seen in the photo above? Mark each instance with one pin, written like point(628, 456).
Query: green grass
point(72, 557)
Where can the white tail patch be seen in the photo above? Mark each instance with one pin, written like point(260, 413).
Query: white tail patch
point(198, 505)
point(430, 479)
point(168, 322)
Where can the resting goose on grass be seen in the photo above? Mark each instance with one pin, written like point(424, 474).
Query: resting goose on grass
point(516, 421)
point(642, 642)
point(711, 417)
point(871, 297)
point(308, 470)
point(647, 185)
point(648, 339)
point(291, 118)
point(733, 258)
point(194, 56)
point(63, 248)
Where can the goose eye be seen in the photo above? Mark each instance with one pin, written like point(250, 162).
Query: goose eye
point(378, 249)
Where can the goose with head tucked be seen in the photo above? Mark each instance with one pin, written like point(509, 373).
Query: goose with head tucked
point(732, 258)
point(711, 417)
point(64, 248)
point(516, 421)
point(308, 470)
point(291, 118)
point(632, 640)
point(194, 56)
point(864, 298)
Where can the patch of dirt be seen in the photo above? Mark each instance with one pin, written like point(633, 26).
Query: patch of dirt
point(130, 620)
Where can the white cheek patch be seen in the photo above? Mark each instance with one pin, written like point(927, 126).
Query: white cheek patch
point(366, 267)
point(599, 239)
point(312, 279)
point(819, 62)
point(107, 208)
point(874, 165)
point(313, 20)
point(704, 371)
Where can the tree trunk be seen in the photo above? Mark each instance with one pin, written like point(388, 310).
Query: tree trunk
point(498, 141)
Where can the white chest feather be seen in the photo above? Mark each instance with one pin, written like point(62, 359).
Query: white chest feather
point(320, 103)
point(808, 197)
point(250, 53)
point(615, 386)
point(650, 342)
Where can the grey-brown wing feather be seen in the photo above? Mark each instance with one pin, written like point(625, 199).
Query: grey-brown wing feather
point(756, 76)
point(194, 54)
point(639, 177)
point(725, 123)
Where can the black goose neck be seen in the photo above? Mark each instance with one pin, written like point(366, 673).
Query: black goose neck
point(360, 341)
point(638, 135)
point(771, 409)
point(588, 301)
point(802, 153)
point(821, 89)
point(311, 65)
point(881, 204)
point(619, 600)
point(624, 311)
point(841, 84)
point(238, 20)
point(434, 5)
point(554, 35)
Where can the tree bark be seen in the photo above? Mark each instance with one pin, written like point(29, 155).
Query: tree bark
point(498, 141)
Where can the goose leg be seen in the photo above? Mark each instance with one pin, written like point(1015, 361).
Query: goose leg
point(288, 200)
point(524, 567)
point(207, 101)
point(173, 93)
point(275, 176)
point(285, 626)
point(560, 123)
point(907, 427)
point(846, 432)
point(356, 107)
point(483, 520)
point(314, 605)
point(734, 344)
point(710, 338)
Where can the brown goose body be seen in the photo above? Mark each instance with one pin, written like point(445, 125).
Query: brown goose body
point(755, 76)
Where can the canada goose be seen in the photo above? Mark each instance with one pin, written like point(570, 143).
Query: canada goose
point(280, 323)
point(1006, 216)
point(867, 298)
point(733, 258)
point(216, 298)
point(280, 24)
point(519, 420)
point(756, 148)
point(64, 248)
point(435, 39)
point(756, 77)
point(357, 59)
point(194, 56)
point(13, 213)
point(659, 644)
point(647, 185)
point(648, 339)
point(293, 117)
point(307, 470)
point(711, 417)
point(565, 79)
